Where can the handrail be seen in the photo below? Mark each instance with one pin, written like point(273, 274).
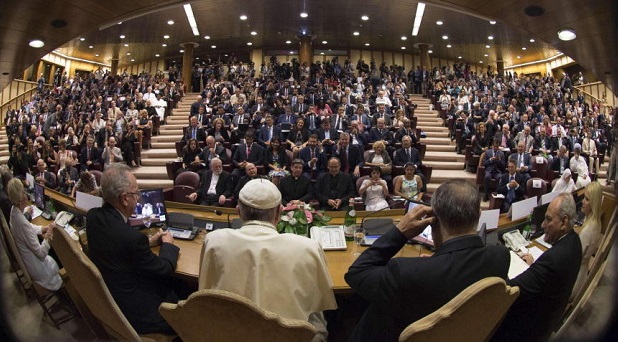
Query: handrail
point(605, 93)
point(17, 100)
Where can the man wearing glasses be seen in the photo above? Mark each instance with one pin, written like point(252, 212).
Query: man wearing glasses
point(138, 279)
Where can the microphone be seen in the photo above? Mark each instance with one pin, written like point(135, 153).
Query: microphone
point(215, 211)
point(377, 211)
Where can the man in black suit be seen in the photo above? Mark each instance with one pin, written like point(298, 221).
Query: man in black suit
point(406, 130)
point(350, 156)
point(247, 152)
point(213, 150)
point(215, 186)
point(512, 185)
point(339, 121)
point(328, 136)
point(334, 188)
point(312, 120)
point(268, 132)
point(561, 161)
point(138, 280)
point(403, 290)
point(407, 154)
point(545, 287)
point(249, 174)
point(44, 177)
point(314, 160)
point(89, 155)
point(381, 114)
point(494, 163)
point(296, 187)
point(104, 134)
point(202, 117)
point(381, 132)
point(259, 106)
point(196, 105)
point(194, 131)
point(504, 137)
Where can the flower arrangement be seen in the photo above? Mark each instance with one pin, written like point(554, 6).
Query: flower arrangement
point(299, 218)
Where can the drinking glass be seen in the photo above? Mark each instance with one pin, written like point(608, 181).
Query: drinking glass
point(359, 235)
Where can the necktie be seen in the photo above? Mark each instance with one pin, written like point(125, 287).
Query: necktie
point(409, 154)
point(270, 133)
point(526, 142)
point(520, 160)
point(248, 151)
point(344, 160)
point(88, 154)
point(193, 133)
point(337, 124)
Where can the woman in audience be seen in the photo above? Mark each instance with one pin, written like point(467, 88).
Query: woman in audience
point(374, 190)
point(276, 161)
point(142, 123)
point(67, 176)
point(565, 183)
point(481, 140)
point(42, 268)
point(86, 183)
point(400, 115)
point(408, 185)
point(49, 155)
point(63, 153)
point(218, 131)
point(129, 136)
point(590, 232)
point(298, 136)
point(190, 159)
point(379, 157)
point(323, 109)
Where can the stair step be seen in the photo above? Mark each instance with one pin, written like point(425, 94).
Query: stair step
point(433, 129)
point(444, 165)
point(163, 145)
point(151, 172)
point(176, 132)
point(437, 141)
point(441, 176)
point(173, 126)
point(4, 160)
point(437, 156)
point(5, 153)
point(166, 138)
point(169, 153)
point(155, 162)
point(441, 148)
point(154, 184)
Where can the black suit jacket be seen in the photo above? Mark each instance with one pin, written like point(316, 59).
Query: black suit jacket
point(401, 158)
point(49, 179)
point(355, 157)
point(343, 191)
point(299, 188)
point(262, 135)
point(255, 157)
point(225, 185)
point(375, 135)
point(519, 192)
point(200, 135)
point(95, 156)
point(305, 155)
point(544, 291)
point(403, 290)
point(138, 279)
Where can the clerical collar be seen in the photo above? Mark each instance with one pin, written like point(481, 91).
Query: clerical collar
point(259, 223)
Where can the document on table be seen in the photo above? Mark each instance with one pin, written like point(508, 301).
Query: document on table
point(541, 241)
point(517, 267)
point(36, 212)
point(536, 252)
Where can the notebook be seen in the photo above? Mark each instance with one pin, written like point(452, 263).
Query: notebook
point(329, 237)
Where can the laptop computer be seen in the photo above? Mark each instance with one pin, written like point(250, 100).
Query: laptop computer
point(538, 215)
point(181, 226)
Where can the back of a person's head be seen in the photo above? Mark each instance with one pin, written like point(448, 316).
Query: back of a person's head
point(457, 205)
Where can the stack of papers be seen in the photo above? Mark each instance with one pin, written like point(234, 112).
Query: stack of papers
point(517, 267)
point(36, 212)
point(541, 241)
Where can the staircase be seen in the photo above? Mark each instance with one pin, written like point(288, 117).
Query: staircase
point(4, 146)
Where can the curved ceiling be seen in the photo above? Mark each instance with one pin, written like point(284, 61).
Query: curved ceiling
point(144, 25)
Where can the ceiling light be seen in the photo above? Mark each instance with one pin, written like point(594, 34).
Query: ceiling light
point(490, 37)
point(243, 17)
point(321, 53)
point(128, 54)
point(170, 22)
point(430, 51)
point(122, 36)
point(132, 60)
point(213, 46)
point(166, 37)
point(324, 42)
point(365, 17)
point(367, 44)
point(493, 22)
point(82, 39)
point(418, 18)
point(36, 43)
point(566, 34)
point(249, 43)
point(304, 14)
point(403, 47)
point(288, 42)
point(197, 58)
point(206, 37)
point(356, 33)
point(487, 46)
point(126, 45)
point(96, 55)
point(518, 56)
point(191, 18)
point(481, 62)
point(182, 51)
point(523, 48)
point(291, 52)
point(486, 55)
point(91, 47)
point(445, 37)
point(459, 57)
point(449, 46)
point(157, 55)
point(439, 22)
point(119, 23)
point(532, 40)
point(404, 37)
point(253, 33)
point(164, 45)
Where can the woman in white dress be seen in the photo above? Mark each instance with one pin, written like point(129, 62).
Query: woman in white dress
point(42, 268)
point(590, 232)
point(374, 190)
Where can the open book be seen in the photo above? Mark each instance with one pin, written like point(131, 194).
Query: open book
point(329, 237)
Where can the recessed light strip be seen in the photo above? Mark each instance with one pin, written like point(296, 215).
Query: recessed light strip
point(534, 62)
point(420, 10)
point(77, 59)
point(191, 18)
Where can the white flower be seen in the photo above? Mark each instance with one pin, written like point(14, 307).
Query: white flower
point(293, 221)
point(285, 218)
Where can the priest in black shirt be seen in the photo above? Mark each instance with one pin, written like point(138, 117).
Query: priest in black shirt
point(334, 188)
point(296, 187)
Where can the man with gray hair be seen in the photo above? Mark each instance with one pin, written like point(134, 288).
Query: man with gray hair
point(545, 287)
point(138, 279)
point(403, 290)
point(257, 262)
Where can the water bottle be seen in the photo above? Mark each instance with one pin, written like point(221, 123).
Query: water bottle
point(349, 223)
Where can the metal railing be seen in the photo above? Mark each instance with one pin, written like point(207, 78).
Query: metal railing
point(599, 93)
point(14, 95)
